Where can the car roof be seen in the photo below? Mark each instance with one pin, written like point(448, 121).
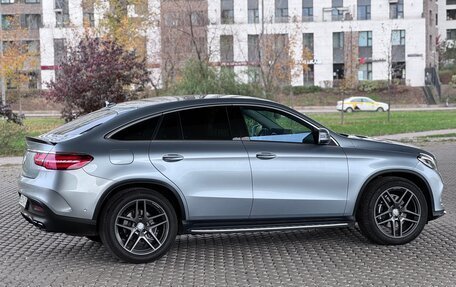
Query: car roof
point(182, 101)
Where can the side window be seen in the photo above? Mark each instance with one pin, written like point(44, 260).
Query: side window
point(170, 128)
point(142, 131)
point(275, 126)
point(205, 124)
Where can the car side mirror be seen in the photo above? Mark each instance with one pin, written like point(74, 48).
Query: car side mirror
point(324, 137)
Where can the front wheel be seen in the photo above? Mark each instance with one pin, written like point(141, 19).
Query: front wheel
point(393, 211)
point(139, 226)
point(380, 110)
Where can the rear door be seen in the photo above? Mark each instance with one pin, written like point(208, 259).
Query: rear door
point(196, 150)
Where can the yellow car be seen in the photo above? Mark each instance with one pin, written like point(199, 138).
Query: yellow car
point(361, 104)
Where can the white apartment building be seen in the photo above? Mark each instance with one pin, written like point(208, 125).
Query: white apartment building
point(388, 35)
point(400, 30)
point(447, 19)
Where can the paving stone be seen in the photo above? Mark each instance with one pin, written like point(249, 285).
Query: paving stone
point(319, 257)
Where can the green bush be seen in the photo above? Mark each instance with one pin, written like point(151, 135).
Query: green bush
point(446, 75)
point(372, 86)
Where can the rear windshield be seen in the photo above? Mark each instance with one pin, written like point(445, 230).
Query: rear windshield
point(80, 125)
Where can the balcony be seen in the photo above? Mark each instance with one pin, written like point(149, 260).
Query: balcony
point(337, 14)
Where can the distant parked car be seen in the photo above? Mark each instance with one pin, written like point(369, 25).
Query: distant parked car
point(361, 104)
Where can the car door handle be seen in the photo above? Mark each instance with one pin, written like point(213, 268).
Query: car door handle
point(265, 155)
point(172, 157)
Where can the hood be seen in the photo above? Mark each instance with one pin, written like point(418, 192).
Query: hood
point(385, 145)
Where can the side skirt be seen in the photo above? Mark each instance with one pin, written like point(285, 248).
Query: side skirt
point(250, 225)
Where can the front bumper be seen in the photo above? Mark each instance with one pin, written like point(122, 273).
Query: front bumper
point(48, 221)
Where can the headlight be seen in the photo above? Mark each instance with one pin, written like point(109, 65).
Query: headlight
point(427, 160)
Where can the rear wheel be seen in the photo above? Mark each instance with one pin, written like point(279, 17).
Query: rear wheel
point(139, 226)
point(349, 110)
point(393, 211)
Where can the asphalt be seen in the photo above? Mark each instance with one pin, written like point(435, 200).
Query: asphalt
point(318, 257)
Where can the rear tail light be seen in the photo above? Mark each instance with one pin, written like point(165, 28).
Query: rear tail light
point(61, 161)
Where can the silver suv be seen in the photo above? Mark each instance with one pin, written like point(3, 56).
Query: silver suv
point(134, 175)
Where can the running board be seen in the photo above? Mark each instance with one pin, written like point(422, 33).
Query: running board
point(265, 228)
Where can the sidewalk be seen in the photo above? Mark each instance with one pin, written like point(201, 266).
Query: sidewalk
point(4, 161)
point(416, 135)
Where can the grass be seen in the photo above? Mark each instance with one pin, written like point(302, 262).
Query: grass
point(12, 136)
point(12, 141)
point(375, 124)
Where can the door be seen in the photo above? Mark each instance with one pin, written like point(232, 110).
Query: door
point(292, 176)
point(195, 150)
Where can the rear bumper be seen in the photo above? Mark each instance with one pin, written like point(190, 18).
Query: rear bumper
point(49, 221)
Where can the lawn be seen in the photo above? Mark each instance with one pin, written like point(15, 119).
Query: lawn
point(374, 124)
point(12, 136)
point(369, 124)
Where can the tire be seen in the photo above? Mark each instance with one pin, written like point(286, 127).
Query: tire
point(94, 238)
point(386, 211)
point(133, 237)
point(349, 110)
point(380, 110)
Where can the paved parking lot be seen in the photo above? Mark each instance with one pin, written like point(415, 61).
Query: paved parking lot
point(30, 257)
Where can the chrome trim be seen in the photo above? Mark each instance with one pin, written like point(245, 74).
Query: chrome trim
point(272, 228)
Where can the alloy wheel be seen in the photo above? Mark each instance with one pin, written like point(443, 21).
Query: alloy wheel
point(141, 226)
point(397, 212)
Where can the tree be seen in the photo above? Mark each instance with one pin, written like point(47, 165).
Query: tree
point(15, 56)
point(95, 71)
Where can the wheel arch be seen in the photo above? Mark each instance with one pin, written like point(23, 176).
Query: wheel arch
point(413, 176)
point(163, 188)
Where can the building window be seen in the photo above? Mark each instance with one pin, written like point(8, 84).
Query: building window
point(398, 37)
point(307, 10)
point(31, 21)
point(338, 71)
point(33, 47)
point(365, 39)
point(62, 13)
point(308, 41)
point(398, 70)
point(365, 72)
point(451, 2)
point(308, 75)
point(451, 34)
point(227, 11)
point(226, 48)
point(253, 58)
point(59, 55)
point(8, 22)
point(451, 14)
point(338, 40)
point(364, 9)
point(32, 1)
point(89, 19)
point(254, 12)
point(7, 2)
point(337, 11)
point(33, 80)
point(397, 9)
point(281, 11)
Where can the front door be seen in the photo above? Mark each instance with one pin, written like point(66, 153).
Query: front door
point(292, 176)
point(196, 151)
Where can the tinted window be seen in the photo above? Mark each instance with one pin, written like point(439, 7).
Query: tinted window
point(170, 128)
point(205, 124)
point(275, 126)
point(141, 131)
